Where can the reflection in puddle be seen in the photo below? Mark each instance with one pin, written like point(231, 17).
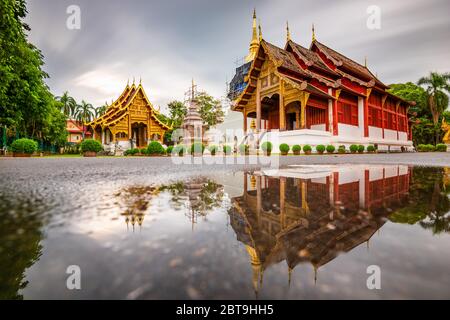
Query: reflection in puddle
point(301, 232)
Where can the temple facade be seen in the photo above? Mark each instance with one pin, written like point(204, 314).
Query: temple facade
point(316, 95)
point(129, 122)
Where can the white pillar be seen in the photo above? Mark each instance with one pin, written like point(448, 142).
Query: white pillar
point(361, 115)
point(103, 136)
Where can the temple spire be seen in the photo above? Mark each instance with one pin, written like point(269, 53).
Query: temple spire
point(254, 43)
point(313, 33)
point(365, 61)
point(260, 30)
point(288, 33)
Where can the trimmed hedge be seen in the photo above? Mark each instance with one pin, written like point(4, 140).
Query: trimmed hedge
point(320, 148)
point(267, 147)
point(155, 148)
point(179, 150)
point(244, 148)
point(353, 148)
point(213, 150)
point(440, 147)
point(227, 149)
point(197, 147)
point(307, 148)
point(284, 148)
point(370, 149)
point(341, 149)
point(296, 149)
point(361, 148)
point(169, 150)
point(91, 145)
point(331, 148)
point(24, 145)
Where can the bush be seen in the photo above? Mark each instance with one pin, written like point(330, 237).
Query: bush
point(227, 149)
point(267, 147)
point(341, 149)
point(353, 148)
point(320, 148)
point(179, 150)
point(330, 148)
point(361, 148)
point(197, 147)
point(307, 148)
point(155, 148)
point(284, 148)
point(143, 151)
point(169, 150)
point(440, 147)
point(131, 152)
point(24, 145)
point(430, 148)
point(296, 149)
point(370, 148)
point(91, 145)
point(72, 148)
point(244, 148)
point(213, 150)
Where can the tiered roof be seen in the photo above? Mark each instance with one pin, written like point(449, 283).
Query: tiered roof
point(119, 108)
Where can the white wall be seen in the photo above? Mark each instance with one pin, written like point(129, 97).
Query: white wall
point(349, 131)
point(375, 133)
point(390, 134)
point(321, 127)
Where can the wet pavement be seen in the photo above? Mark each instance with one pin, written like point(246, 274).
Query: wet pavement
point(146, 229)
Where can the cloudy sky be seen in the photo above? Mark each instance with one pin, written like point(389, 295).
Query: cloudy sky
point(167, 43)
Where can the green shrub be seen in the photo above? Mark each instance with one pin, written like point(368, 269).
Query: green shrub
point(213, 150)
point(267, 147)
point(320, 148)
point(143, 151)
point(330, 148)
point(370, 148)
point(353, 148)
point(244, 148)
point(179, 150)
point(197, 147)
point(227, 149)
point(307, 148)
point(341, 149)
point(430, 148)
point(155, 148)
point(169, 150)
point(440, 147)
point(296, 149)
point(91, 145)
point(24, 145)
point(284, 148)
point(361, 148)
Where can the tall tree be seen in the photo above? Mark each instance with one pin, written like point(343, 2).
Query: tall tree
point(177, 112)
point(437, 85)
point(84, 113)
point(68, 104)
point(210, 109)
point(99, 111)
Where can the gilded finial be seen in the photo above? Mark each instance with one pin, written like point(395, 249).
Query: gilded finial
point(288, 33)
point(254, 44)
point(260, 31)
point(365, 61)
point(133, 80)
point(140, 80)
point(289, 276)
point(254, 13)
point(313, 33)
point(128, 82)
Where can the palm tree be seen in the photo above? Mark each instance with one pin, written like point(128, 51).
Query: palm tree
point(436, 85)
point(68, 104)
point(84, 112)
point(101, 110)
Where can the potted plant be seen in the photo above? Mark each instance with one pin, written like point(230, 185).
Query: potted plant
point(320, 148)
point(90, 147)
point(213, 149)
point(330, 148)
point(155, 149)
point(361, 148)
point(197, 149)
point(370, 149)
point(227, 150)
point(267, 148)
point(24, 147)
point(353, 148)
point(307, 149)
point(244, 149)
point(284, 149)
point(296, 149)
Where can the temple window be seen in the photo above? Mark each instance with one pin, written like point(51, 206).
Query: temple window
point(264, 82)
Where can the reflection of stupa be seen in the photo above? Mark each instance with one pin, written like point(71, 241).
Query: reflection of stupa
point(193, 125)
point(312, 220)
point(136, 200)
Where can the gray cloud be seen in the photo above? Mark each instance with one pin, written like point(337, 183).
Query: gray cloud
point(169, 42)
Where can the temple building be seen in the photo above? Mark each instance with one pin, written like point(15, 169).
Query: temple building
point(310, 214)
point(129, 122)
point(75, 131)
point(316, 95)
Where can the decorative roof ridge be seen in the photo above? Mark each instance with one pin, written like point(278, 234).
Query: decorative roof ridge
point(327, 54)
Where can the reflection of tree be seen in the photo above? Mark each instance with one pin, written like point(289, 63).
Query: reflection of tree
point(136, 200)
point(20, 245)
point(429, 204)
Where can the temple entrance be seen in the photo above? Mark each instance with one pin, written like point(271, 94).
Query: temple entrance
point(139, 135)
point(291, 121)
